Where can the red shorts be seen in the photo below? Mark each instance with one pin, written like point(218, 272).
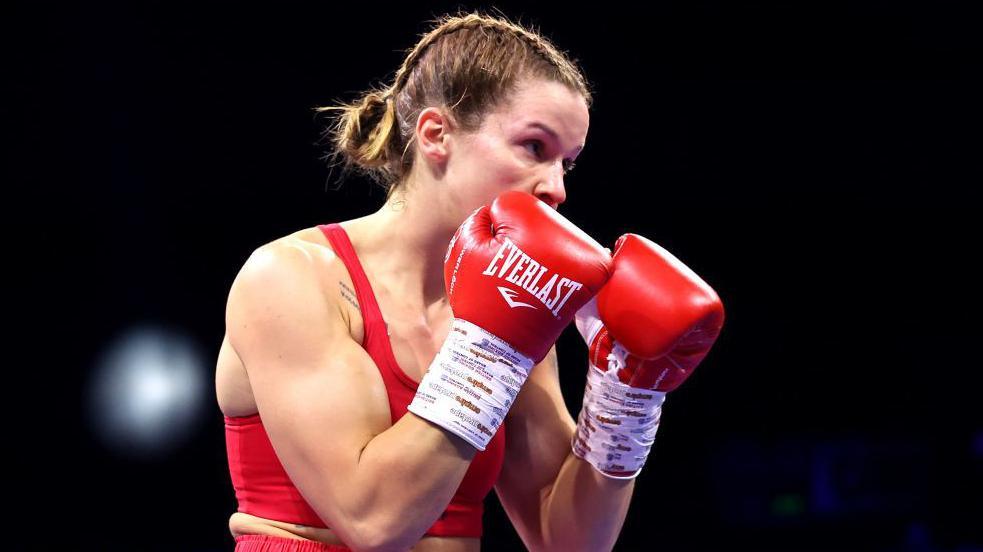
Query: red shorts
point(266, 543)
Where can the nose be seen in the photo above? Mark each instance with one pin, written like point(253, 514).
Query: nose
point(550, 189)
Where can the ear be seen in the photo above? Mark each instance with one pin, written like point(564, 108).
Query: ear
point(433, 129)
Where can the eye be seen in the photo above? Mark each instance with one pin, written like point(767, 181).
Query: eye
point(537, 147)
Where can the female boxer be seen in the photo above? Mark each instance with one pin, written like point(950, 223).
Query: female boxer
point(371, 369)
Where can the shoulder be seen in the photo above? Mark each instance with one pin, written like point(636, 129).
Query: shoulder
point(298, 275)
point(304, 255)
point(292, 259)
point(292, 273)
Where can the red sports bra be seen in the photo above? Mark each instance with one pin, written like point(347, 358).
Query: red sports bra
point(262, 486)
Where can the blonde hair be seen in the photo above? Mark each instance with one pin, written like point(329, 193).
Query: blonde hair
point(468, 64)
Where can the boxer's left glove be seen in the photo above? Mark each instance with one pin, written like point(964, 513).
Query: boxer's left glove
point(650, 326)
point(516, 272)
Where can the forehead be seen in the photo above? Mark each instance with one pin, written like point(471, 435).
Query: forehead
point(548, 103)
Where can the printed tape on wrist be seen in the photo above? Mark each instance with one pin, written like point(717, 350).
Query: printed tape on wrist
point(617, 423)
point(471, 383)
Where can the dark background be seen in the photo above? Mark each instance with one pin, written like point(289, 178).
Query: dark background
point(816, 164)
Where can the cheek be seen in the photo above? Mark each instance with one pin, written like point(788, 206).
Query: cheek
point(510, 162)
point(494, 165)
point(488, 169)
point(491, 156)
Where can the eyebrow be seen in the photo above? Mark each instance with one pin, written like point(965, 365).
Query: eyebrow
point(551, 132)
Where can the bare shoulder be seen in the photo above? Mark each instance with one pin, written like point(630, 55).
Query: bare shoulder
point(305, 251)
point(303, 260)
point(290, 284)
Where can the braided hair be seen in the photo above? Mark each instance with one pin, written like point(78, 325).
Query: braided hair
point(468, 64)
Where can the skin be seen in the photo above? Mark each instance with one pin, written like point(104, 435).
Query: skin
point(294, 329)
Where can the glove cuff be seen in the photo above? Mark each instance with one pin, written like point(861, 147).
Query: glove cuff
point(617, 424)
point(471, 383)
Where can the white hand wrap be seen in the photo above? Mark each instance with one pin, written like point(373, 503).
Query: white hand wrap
point(471, 383)
point(617, 423)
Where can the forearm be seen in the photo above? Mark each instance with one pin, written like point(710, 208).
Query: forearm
point(584, 509)
point(406, 476)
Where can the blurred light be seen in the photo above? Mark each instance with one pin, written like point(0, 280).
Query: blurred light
point(147, 392)
point(787, 505)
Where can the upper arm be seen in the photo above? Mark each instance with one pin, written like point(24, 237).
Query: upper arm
point(537, 443)
point(318, 392)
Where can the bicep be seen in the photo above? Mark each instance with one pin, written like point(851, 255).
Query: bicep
point(319, 394)
point(538, 434)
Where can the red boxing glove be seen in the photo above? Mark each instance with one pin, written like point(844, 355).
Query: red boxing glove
point(516, 274)
point(520, 270)
point(663, 314)
point(651, 325)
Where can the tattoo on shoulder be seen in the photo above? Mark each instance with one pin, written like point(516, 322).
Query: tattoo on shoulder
point(349, 295)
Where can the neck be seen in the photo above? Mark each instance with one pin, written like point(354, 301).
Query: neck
point(406, 241)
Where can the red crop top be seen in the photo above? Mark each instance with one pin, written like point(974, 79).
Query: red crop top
point(262, 486)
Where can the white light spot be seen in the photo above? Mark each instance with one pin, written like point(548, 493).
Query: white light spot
point(147, 392)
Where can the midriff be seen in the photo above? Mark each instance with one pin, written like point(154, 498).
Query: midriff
point(245, 524)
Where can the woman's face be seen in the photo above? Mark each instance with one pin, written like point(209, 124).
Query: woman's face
point(527, 144)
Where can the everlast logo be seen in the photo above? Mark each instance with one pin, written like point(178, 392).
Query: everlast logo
point(525, 272)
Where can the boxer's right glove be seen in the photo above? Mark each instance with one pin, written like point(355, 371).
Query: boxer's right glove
point(650, 326)
point(516, 273)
